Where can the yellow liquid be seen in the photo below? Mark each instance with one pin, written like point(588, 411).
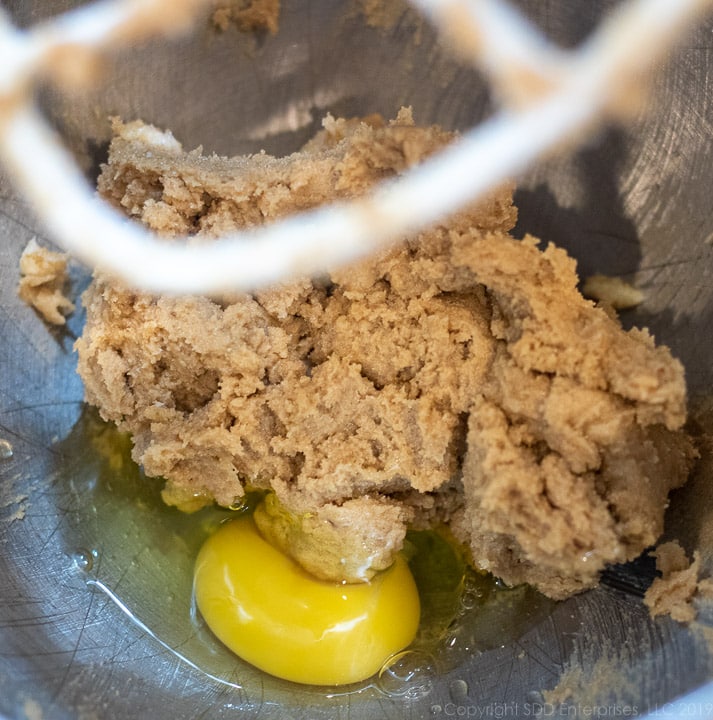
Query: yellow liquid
point(276, 616)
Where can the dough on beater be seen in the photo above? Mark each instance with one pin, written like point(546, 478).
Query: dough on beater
point(43, 280)
point(248, 15)
point(459, 377)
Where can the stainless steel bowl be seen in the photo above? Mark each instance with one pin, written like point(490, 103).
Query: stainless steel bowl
point(93, 577)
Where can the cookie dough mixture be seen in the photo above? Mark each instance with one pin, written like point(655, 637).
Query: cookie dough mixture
point(43, 281)
point(458, 378)
point(680, 584)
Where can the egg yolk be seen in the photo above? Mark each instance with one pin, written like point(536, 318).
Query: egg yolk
point(273, 614)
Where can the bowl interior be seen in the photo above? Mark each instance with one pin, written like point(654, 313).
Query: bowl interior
point(633, 202)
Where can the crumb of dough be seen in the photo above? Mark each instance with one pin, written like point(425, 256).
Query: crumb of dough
point(17, 504)
point(43, 281)
point(329, 544)
point(673, 593)
point(32, 710)
point(248, 15)
point(614, 291)
point(458, 378)
point(383, 14)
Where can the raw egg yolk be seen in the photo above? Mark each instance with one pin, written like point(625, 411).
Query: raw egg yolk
point(276, 616)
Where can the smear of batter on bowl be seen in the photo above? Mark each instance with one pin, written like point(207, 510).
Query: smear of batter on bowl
point(614, 291)
point(459, 378)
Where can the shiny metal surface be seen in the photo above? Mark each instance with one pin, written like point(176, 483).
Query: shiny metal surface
point(635, 202)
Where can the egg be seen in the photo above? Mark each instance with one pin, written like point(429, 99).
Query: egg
point(270, 612)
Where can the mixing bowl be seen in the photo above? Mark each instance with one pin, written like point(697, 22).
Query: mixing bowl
point(95, 614)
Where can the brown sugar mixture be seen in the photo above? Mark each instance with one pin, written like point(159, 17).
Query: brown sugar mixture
point(458, 378)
